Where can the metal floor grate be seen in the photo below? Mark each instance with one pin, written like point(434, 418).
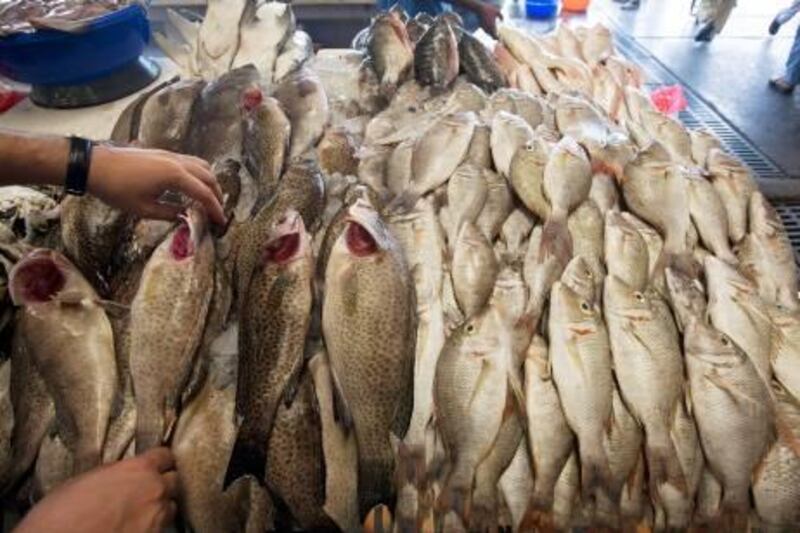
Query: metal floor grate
point(701, 114)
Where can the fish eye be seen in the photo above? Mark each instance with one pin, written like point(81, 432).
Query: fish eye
point(639, 296)
point(470, 328)
point(725, 341)
point(585, 306)
point(588, 273)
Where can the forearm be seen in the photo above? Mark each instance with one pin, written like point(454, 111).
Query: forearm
point(32, 159)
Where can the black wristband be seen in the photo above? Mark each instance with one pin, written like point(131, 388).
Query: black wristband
point(80, 159)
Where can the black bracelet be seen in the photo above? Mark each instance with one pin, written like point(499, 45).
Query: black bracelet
point(80, 159)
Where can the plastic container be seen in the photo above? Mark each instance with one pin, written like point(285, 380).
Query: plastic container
point(576, 6)
point(541, 9)
point(50, 57)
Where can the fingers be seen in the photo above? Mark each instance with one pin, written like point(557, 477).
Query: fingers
point(159, 458)
point(204, 174)
point(198, 190)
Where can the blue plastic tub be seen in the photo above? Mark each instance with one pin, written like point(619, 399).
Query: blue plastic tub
point(49, 57)
point(541, 9)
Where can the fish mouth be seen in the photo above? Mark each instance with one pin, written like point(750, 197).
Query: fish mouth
point(186, 239)
point(365, 235)
point(252, 97)
point(287, 239)
point(37, 278)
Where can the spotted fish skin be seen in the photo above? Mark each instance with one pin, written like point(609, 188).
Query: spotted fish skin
point(479, 65)
point(436, 59)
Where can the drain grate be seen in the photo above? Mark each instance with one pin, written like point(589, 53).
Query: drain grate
point(701, 114)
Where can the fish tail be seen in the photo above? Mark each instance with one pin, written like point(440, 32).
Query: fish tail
point(454, 498)
point(249, 457)
point(556, 240)
point(375, 480)
point(542, 496)
point(596, 474)
point(664, 467)
point(536, 519)
point(149, 429)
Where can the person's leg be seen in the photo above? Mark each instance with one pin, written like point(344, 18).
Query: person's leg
point(786, 83)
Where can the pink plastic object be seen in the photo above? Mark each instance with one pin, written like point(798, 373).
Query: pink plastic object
point(669, 99)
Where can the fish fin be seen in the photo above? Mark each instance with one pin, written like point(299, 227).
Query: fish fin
point(518, 395)
point(341, 410)
point(179, 53)
point(556, 240)
point(375, 477)
point(402, 203)
point(596, 475)
point(249, 457)
point(290, 389)
point(536, 519)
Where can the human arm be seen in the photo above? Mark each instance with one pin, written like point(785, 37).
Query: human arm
point(131, 179)
point(486, 11)
point(132, 496)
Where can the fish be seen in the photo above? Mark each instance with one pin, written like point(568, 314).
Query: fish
point(126, 127)
point(516, 484)
point(709, 216)
point(372, 167)
point(578, 276)
point(295, 460)
point(499, 204)
point(604, 192)
point(509, 133)
point(550, 439)
point(438, 152)
point(69, 339)
point(519, 75)
point(767, 257)
point(337, 152)
point(734, 184)
point(479, 152)
point(649, 369)
point(33, 412)
point(201, 460)
point(736, 311)
point(416, 29)
point(436, 56)
point(577, 117)
point(539, 272)
point(786, 350)
point(775, 486)
point(167, 318)
point(479, 65)
point(373, 374)
point(709, 498)
point(568, 43)
point(655, 247)
point(687, 298)
point(305, 103)
point(474, 269)
point(677, 505)
point(622, 444)
point(215, 50)
point(515, 232)
point(264, 29)
point(731, 405)
point(215, 128)
point(471, 395)
point(297, 49)
point(91, 232)
point(597, 45)
point(422, 240)
point(626, 253)
point(703, 141)
point(339, 447)
point(266, 141)
point(510, 298)
point(391, 52)
point(484, 509)
point(671, 133)
point(166, 116)
point(467, 191)
point(567, 180)
point(579, 348)
point(587, 232)
point(271, 345)
point(526, 176)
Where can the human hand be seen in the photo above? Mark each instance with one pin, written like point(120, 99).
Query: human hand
point(133, 179)
point(135, 495)
point(489, 13)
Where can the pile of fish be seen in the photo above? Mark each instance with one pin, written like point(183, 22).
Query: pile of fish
point(73, 16)
point(439, 304)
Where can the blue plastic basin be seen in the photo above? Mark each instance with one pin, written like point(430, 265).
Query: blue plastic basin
point(49, 57)
point(541, 9)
